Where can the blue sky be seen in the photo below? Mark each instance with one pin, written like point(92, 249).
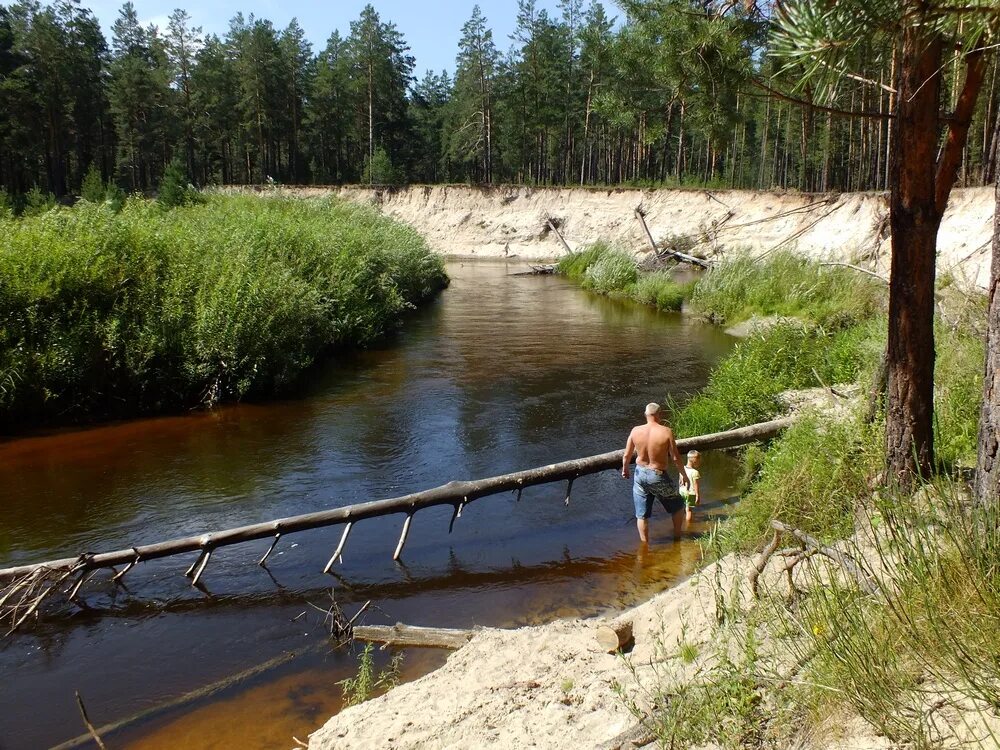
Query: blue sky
point(431, 29)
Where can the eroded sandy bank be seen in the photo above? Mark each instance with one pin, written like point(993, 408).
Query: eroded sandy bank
point(494, 222)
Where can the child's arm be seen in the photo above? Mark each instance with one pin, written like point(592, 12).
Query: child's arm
point(696, 489)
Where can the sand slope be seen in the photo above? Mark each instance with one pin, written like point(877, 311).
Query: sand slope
point(492, 222)
point(549, 686)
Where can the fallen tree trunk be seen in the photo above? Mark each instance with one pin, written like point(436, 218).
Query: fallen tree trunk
point(413, 635)
point(673, 253)
point(555, 229)
point(456, 494)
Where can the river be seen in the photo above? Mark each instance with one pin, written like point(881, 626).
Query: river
point(501, 373)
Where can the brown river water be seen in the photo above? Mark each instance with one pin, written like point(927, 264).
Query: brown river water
point(501, 373)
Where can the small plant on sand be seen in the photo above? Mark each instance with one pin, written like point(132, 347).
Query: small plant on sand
point(368, 682)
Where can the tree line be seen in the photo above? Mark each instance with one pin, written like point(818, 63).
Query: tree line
point(656, 97)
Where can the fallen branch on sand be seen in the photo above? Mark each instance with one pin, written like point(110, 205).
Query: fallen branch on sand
point(809, 546)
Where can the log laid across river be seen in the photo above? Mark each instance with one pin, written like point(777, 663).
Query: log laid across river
point(457, 494)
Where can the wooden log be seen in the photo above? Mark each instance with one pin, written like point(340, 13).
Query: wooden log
point(673, 253)
point(555, 229)
point(458, 494)
point(614, 636)
point(412, 635)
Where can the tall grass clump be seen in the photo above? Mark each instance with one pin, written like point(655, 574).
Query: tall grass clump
point(744, 388)
point(117, 314)
point(574, 265)
point(613, 272)
point(660, 290)
point(786, 285)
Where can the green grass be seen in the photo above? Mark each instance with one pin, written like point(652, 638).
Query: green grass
point(813, 477)
point(118, 314)
point(786, 285)
point(744, 388)
point(605, 270)
point(660, 290)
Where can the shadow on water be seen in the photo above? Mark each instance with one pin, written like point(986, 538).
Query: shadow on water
point(502, 373)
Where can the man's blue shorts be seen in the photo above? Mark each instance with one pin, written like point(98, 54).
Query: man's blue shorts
point(650, 484)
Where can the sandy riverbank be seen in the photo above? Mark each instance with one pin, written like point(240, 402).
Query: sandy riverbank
point(551, 687)
point(513, 221)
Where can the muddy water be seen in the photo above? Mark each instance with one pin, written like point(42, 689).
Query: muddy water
point(502, 373)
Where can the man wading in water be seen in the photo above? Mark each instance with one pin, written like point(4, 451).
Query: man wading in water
point(654, 447)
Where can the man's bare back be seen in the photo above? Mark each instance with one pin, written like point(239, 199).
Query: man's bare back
point(654, 445)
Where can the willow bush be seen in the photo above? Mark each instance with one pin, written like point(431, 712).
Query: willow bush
point(116, 314)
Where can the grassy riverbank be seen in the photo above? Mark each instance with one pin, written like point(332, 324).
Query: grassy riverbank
point(916, 662)
point(111, 314)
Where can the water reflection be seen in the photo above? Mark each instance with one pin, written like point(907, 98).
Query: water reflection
point(502, 373)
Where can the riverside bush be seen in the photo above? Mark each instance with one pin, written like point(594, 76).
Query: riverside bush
point(116, 314)
point(787, 285)
point(744, 388)
point(661, 291)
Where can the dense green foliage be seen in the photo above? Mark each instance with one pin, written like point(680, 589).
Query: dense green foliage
point(670, 93)
point(744, 388)
point(605, 270)
point(787, 285)
point(111, 313)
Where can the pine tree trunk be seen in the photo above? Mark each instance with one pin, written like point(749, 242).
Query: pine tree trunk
point(915, 219)
point(988, 464)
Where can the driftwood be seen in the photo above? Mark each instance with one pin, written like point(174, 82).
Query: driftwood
point(615, 636)
point(27, 586)
point(637, 736)
point(555, 229)
point(809, 546)
point(86, 722)
point(412, 635)
point(673, 253)
point(87, 740)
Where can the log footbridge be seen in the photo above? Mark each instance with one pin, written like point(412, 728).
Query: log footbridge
point(23, 589)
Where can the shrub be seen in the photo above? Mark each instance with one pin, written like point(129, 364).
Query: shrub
point(175, 188)
point(614, 271)
point(787, 285)
point(37, 202)
point(118, 314)
point(93, 189)
point(379, 169)
point(661, 291)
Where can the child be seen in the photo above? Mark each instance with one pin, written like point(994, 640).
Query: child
point(692, 493)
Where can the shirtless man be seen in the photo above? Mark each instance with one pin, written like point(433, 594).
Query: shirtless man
point(654, 448)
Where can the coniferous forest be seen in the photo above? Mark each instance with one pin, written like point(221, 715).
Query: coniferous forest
point(680, 92)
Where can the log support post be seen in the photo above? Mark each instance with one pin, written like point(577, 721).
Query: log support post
point(263, 561)
point(402, 537)
point(206, 556)
point(569, 491)
point(340, 548)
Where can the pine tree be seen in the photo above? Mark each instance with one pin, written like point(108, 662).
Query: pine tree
point(182, 42)
point(381, 72)
point(471, 111)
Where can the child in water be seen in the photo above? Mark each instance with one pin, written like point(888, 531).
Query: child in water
point(691, 493)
